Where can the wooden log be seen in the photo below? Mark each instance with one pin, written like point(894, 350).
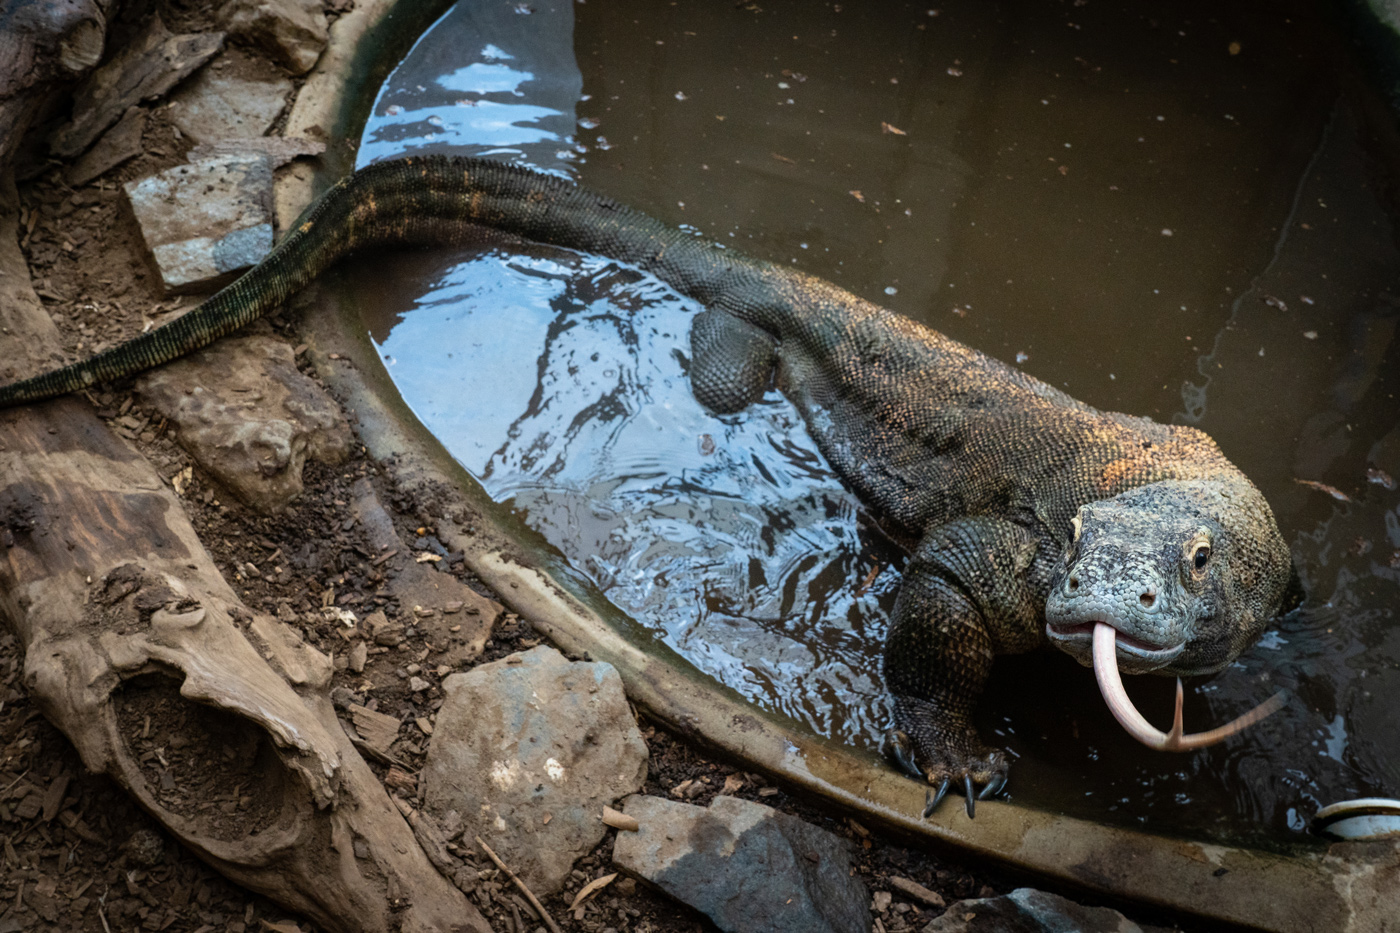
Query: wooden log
point(126, 620)
point(43, 47)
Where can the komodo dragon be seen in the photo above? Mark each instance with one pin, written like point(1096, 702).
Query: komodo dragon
point(1030, 518)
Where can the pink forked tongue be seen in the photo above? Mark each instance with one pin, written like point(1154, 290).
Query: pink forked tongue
point(1111, 686)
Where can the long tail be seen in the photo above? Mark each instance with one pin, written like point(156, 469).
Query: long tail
point(432, 200)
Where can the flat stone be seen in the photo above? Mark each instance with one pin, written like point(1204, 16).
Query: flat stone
point(1026, 910)
point(292, 32)
point(528, 754)
point(278, 150)
point(117, 145)
point(749, 868)
point(146, 68)
point(204, 221)
point(245, 414)
point(235, 96)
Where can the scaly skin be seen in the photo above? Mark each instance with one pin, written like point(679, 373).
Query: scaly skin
point(1028, 515)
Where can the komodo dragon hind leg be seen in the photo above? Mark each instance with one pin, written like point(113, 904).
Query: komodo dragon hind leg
point(731, 362)
point(965, 597)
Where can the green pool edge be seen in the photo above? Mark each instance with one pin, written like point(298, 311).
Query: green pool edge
point(1342, 887)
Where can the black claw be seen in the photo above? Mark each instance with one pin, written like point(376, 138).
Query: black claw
point(899, 747)
point(993, 788)
point(971, 797)
point(930, 804)
point(939, 795)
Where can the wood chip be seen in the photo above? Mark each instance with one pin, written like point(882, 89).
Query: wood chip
point(53, 797)
point(619, 820)
point(590, 889)
point(399, 779)
point(917, 891)
point(377, 729)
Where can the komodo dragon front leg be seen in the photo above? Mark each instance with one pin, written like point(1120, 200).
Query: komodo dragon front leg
point(968, 594)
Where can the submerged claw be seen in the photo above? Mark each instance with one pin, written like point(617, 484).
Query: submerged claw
point(1111, 686)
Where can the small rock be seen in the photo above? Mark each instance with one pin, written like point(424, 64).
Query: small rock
point(145, 848)
point(1027, 910)
point(529, 754)
point(359, 654)
point(418, 684)
point(880, 901)
point(248, 416)
point(144, 69)
point(292, 32)
point(204, 221)
point(344, 698)
point(748, 867)
point(242, 100)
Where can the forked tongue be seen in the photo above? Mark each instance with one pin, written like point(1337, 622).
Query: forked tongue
point(1111, 686)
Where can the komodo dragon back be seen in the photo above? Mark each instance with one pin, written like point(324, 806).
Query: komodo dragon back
point(1031, 518)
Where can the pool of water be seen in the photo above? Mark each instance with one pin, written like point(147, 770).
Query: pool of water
point(1166, 209)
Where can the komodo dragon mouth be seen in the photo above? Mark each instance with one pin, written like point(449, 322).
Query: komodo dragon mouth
point(1141, 592)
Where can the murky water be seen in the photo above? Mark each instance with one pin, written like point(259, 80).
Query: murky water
point(1165, 209)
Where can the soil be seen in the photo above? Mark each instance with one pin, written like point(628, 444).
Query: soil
point(77, 855)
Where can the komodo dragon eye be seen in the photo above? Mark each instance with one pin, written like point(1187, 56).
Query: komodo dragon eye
point(1201, 556)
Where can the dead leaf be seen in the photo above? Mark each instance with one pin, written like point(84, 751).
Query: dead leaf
point(858, 196)
point(181, 481)
point(590, 889)
point(620, 821)
point(425, 557)
point(783, 158)
point(1332, 491)
point(890, 128)
point(732, 784)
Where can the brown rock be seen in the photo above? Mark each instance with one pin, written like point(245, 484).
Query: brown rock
point(145, 69)
point(117, 145)
point(292, 32)
point(246, 414)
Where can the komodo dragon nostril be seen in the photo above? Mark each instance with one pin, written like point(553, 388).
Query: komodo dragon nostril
point(1148, 597)
point(1073, 582)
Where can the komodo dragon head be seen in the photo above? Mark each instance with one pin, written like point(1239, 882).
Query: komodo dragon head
point(1175, 577)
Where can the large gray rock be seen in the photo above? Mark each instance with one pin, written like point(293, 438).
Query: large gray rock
point(247, 416)
point(237, 95)
point(292, 32)
point(1027, 910)
point(527, 751)
point(749, 868)
point(204, 221)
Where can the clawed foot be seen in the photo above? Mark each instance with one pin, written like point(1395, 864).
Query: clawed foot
point(944, 768)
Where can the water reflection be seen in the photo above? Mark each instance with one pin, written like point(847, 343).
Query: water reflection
point(560, 382)
point(510, 96)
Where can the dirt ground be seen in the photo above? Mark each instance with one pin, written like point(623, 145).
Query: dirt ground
point(77, 855)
